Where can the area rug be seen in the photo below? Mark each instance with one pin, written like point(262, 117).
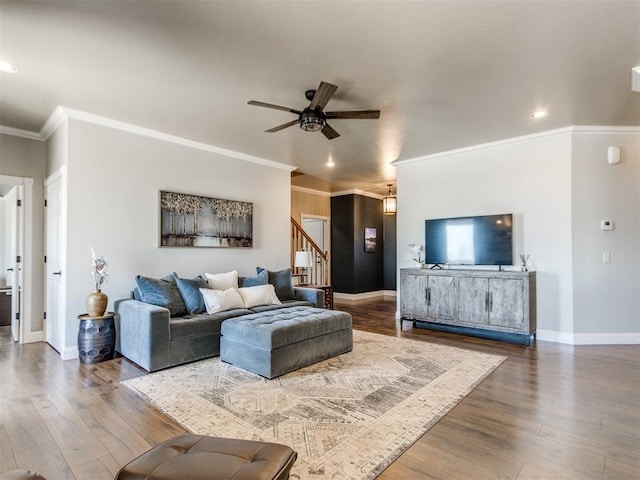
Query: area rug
point(347, 417)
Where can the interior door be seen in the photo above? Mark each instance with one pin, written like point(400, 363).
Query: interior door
point(316, 228)
point(54, 252)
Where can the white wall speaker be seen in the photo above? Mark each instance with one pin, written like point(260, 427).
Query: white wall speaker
point(613, 155)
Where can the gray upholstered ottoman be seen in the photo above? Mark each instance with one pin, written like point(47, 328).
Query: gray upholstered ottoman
point(276, 342)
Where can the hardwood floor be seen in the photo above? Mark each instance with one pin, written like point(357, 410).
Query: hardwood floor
point(550, 411)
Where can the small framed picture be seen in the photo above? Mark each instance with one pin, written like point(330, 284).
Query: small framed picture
point(370, 240)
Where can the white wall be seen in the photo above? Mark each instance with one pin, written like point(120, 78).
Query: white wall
point(26, 157)
point(606, 295)
point(113, 182)
point(558, 186)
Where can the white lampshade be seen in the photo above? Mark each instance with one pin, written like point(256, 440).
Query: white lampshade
point(303, 259)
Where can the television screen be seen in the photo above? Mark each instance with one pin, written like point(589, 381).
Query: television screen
point(482, 240)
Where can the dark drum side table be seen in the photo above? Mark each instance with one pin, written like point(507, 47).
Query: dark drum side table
point(328, 294)
point(96, 338)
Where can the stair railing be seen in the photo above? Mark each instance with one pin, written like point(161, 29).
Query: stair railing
point(318, 273)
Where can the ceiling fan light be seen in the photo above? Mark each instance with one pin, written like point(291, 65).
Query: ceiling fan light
point(312, 121)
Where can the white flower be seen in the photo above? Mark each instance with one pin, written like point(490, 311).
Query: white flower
point(417, 250)
point(99, 269)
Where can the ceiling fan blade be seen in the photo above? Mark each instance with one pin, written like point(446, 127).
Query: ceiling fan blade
point(329, 132)
point(277, 107)
point(323, 95)
point(282, 127)
point(373, 114)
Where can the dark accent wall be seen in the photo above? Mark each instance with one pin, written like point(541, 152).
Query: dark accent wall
point(390, 246)
point(352, 269)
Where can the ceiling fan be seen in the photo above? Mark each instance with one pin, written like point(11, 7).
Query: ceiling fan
point(313, 118)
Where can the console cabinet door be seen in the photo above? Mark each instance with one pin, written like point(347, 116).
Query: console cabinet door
point(441, 297)
point(506, 303)
point(413, 299)
point(473, 300)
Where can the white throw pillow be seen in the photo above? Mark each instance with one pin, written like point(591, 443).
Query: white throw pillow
point(222, 281)
point(221, 300)
point(259, 295)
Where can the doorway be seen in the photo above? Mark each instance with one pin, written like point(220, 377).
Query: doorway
point(317, 227)
point(12, 258)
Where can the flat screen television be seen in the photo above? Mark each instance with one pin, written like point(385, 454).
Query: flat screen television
point(480, 240)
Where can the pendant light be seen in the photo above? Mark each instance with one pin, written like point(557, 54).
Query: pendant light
point(389, 203)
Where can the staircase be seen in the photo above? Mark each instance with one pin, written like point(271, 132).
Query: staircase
point(319, 273)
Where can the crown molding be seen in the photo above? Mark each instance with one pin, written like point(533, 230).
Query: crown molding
point(17, 132)
point(580, 129)
point(310, 191)
point(61, 114)
point(358, 192)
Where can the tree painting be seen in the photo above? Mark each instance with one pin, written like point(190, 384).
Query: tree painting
point(195, 221)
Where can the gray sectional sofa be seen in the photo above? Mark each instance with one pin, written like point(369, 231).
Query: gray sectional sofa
point(151, 337)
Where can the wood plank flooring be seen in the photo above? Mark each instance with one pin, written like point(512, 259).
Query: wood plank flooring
point(550, 411)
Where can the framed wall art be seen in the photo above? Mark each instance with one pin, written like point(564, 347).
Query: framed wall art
point(196, 221)
point(370, 240)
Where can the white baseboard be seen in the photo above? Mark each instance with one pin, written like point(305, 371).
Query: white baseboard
point(589, 338)
point(69, 353)
point(33, 337)
point(357, 297)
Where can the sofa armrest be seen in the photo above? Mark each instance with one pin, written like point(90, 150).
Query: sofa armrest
point(313, 295)
point(142, 333)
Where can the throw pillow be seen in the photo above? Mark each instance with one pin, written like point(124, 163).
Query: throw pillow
point(282, 282)
point(261, 279)
point(258, 295)
point(221, 300)
point(162, 292)
point(190, 292)
point(222, 281)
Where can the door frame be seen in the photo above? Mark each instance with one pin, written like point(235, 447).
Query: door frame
point(26, 256)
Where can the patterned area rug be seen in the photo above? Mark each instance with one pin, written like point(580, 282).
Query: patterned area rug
point(347, 417)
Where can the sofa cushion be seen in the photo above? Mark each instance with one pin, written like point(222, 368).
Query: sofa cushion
point(285, 304)
point(190, 292)
point(261, 279)
point(221, 300)
point(281, 280)
point(258, 295)
point(222, 281)
point(162, 292)
point(201, 324)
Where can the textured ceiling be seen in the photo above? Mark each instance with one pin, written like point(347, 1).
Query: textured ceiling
point(445, 75)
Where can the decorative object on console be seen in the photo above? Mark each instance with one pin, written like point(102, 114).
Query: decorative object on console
point(524, 259)
point(389, 203)
point(196, 221)
point(417, 252)
point(97, 300)
point(303, 260)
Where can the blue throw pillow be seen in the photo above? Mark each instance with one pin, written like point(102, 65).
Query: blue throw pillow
point(162, 292)
point(261, 279)
point(281, 281)
point(190, 292)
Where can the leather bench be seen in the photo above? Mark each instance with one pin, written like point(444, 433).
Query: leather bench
point(276, 342)
point(198, 457)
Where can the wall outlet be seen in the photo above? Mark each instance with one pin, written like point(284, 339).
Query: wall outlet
point(407, 256)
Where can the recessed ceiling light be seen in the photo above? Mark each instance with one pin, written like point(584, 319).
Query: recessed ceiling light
point(8, 67)
point(539, 114)
point(330, 163)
